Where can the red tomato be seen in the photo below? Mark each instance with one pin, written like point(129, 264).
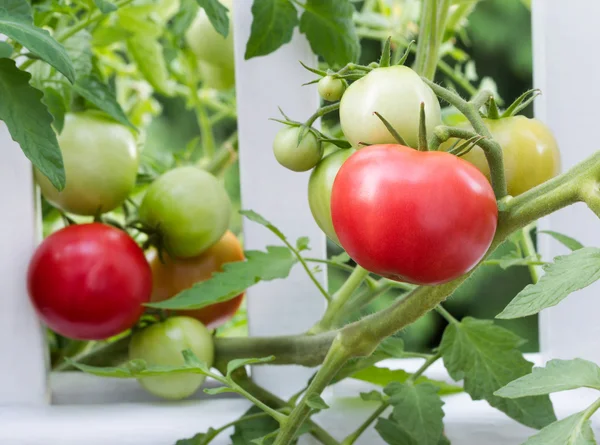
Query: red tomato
point(420, 217)
point(173, 275)
point(89, 281)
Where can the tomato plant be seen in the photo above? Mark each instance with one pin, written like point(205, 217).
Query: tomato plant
point(396, 93)
point(297, 156)
point(172, 275)
point(319, 189)
point(395, 208)
point(89, 281)
point(101, 160)
point(331, 89)
point(162, 344)
point(530, 152)
point(188, 208)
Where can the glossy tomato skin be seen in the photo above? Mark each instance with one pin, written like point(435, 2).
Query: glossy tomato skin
point(171, 276)
point(396, 93)
point(190, 209)
point(89, 281)
point(419, 217)
point(101, 161)
point(161, 344)
point(531, 154)
point(319, 190)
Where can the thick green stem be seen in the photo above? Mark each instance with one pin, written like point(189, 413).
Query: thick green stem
point(335, 359)
point(340, 298)
point(426, 28)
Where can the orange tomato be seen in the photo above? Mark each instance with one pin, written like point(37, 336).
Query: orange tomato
point(174, 275)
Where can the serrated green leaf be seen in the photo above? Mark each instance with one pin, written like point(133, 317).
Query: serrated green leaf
point(29, 122)
point(275, 263)
point(200, 438)
point(273, 23)
point(104, 6)
point(266, 440)
point(191, 360)
point(573, 430)
point(16, 22)
point(487, 357)
point(217, 15)
point(150, 60)
point(392, 433)
point(303, 243)
point(255, 217)
point(384, 376)
point(98, 93)
point(565, 240)
point(247, 431)
point(417, 408)
point(180, 23)
point(557, 375)
point(239, 362)
point(5, 50)
point(329, 28)
point(566, 274)
point(79, 49)
point(315, 401)
point(372, 396)
point(56, 106)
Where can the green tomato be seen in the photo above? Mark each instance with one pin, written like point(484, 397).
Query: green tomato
point(319, 190)
point(531, 154)
point(161, 345)
point(297, 157)
point(331, 89)
point(394, 92)
point(189, 208)
point(101, 162)
point(207, 44)
point(216, 77)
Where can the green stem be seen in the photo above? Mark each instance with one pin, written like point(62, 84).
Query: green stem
point(526, 243)
point(368, 295)
point(428, 362)
point(458, 80)
point(350, 439)
point(322, 112)
point(335, 359)
point(447, 315)
point(589, 412)
point(340, 298)
point(223, 157)
point(104, 354)
point(428, 17)
point(307, 269)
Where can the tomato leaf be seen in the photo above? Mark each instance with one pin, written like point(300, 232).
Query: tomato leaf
point(372, 396)
point(150, 60)
point(303, 243)
point(16, 22)
point(329, 28)
point(79, 48)
point(246, 431)
point(56, 106)
point(200, 438)
point(384, 376)
point(29, 122)
point(236, 277)
point(393, 433)
point(573, 430)
point(566, 274)
point(184, 17)
point(238, 363)
point(558, 375)
point(5, 50)
point(217, 15)
point(104, 6)
point(273, 23)
point(98, 93)
point(315, 401)
point(138, 24)
point(255, 217)
point(487, 357)
point(417, 410)
point(567, 241)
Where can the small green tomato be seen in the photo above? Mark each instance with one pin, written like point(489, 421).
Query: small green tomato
point(331, 89)
point(297, 157)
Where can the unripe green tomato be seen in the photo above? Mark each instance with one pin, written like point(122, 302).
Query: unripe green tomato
point(394, 92)
point(161, 344)
point(319, 190)
point(331, 89)
point(189, 208)
point(101, 161)
point(207, 44)
point(297, 157)
point(530, 152)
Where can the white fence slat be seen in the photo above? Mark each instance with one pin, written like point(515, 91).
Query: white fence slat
point(22, 345)
point(262, 84)
point(563, 69)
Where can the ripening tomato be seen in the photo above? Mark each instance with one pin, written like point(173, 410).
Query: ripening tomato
point(396, 93)
point(89, 281)
point(319, 190)
point(171, 276)
point(101, 161)
point(161, 344)
point(531, 154)
point(298, 157)
point(419, 217)
point(189, 208)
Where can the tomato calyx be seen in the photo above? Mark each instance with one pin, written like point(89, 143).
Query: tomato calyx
point(520, 103)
